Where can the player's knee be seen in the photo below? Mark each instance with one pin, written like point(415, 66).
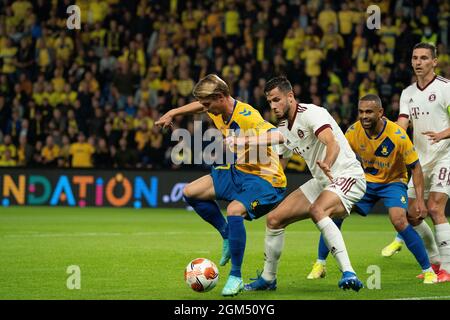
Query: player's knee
point(273, 222)
point(435, 212)
point(316, 211)
point(187, 191)
point(236, 209)
point(399, 223)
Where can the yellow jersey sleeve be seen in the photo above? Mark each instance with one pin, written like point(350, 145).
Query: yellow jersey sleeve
point(408, 150)
point(250, 120)
point(350, 136)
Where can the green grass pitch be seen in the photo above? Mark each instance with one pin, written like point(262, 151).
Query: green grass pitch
point(141, 254)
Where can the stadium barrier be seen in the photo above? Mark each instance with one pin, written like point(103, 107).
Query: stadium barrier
point(105, 188)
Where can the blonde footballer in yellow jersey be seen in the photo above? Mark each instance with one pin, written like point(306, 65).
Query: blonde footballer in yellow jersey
point(251, 187)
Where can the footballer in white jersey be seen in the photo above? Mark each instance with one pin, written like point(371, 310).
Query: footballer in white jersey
point(302, 138)
point(428, 110)
point(426, 103)
point(338, 180)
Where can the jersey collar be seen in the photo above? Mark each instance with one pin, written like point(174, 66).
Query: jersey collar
point(232, 113)
point(381, 132)
point(421, 89)
point(290, 124)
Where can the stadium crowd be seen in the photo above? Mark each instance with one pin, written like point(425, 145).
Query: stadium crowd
point(90, 97)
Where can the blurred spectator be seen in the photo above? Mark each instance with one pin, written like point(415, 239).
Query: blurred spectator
point(135, 60)
point(50, 153)
point(102, 155)
point(81, 152)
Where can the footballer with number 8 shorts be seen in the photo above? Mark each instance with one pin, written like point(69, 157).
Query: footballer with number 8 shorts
point(426, 104)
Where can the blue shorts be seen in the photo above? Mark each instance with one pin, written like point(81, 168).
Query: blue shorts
point(257, 195)
point(393, 194)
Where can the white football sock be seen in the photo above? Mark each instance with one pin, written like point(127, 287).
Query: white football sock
point(273, 245)
point(424, 231)
point(443, 242)
point(335, 243)
point(398, 239)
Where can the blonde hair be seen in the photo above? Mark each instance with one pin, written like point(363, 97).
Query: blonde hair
point(211, 87)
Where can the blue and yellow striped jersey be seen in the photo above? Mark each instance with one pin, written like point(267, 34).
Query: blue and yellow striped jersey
point(246, 120)
point(384, 158)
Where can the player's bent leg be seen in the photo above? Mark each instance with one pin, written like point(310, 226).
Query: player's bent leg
point(330, 204)
point(200, 189)
point(199, 194)
point(237, 239)
point(436, 209)
point(293, 208)
point(413, 242)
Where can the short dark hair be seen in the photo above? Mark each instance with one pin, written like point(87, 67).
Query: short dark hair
point(281, 83)
point(427, 45)
point(372, 97)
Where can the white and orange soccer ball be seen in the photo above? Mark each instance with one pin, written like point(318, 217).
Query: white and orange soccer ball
point(201, 275)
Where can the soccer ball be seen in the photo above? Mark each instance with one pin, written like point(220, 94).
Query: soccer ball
point(201, 275)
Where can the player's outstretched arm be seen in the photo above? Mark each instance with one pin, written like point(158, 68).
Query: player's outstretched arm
point(417, 177)
point(329, 140)
point(267, 138)
point(190, 108)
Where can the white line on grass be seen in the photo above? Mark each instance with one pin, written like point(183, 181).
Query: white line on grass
point(425, 298)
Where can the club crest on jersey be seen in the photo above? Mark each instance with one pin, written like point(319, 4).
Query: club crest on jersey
point(385, 148)
point(300, 133)
point(432, 97)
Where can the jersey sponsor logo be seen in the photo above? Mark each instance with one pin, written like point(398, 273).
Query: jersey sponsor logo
point(415, 111)
point(385, 148)
point(432, 97)
point(246, 112)
point(300, 133)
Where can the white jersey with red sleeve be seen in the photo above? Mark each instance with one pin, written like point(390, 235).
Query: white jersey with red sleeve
point(301, 137)
point(428, 109)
